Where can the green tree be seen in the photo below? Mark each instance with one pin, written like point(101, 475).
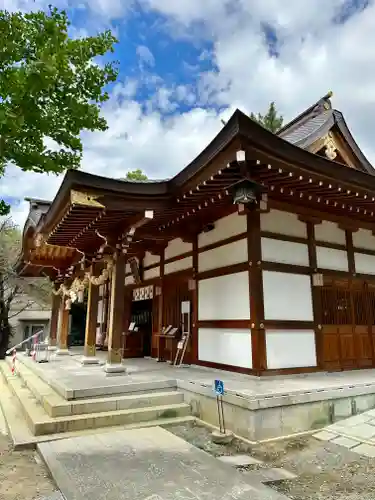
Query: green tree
point(271, 120)
point(136, 175)
point(17, 294)
point(50, 87)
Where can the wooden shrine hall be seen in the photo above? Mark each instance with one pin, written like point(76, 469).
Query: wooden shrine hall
point(258, 257)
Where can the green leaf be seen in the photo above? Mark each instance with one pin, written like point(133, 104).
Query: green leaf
point(50, 87)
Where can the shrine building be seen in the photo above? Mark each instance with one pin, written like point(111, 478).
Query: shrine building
point(263, 245)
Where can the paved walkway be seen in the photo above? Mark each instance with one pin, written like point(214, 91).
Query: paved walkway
point(356, 433)
point(144, 464)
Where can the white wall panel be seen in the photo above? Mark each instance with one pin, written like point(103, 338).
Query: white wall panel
point(225, 346)
point(364, 264)
point(290, 349)
point(363, 238)
point(224, 297)
point(330, 232)
point(330, 258)
point(178, 265)
point(287, 296)
point(149, 274)
point(177, 247)
point(150, 259)
point(225, 255)
point(276, 221)
point(129, 280)
point(285, 252)
point(224, 228)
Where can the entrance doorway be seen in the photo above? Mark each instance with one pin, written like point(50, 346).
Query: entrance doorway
point(138, 342)
point(77, 324)
point(347, 316)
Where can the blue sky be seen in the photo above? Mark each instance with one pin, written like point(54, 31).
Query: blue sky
point(187, 64)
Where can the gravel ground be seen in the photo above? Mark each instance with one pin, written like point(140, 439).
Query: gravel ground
point(22, 474)
point(324, 471)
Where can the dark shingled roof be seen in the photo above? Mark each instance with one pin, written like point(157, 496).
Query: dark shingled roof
point(315, 123)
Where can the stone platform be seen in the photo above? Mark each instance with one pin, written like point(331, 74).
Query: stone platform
point(255, 408)
point(144, 464)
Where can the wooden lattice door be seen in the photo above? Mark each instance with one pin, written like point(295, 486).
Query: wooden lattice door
point(346, 314)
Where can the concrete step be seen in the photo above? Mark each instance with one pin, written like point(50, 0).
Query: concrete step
point(41, 423)
point(57, 406)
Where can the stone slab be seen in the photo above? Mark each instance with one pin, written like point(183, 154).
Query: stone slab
point(270, 475)
point(344, 441)
point(365, 449)
point(144, 464)
point(3, 425)
point(325, 435)
point(56, 495)
point(239, 460)
point(361, 431)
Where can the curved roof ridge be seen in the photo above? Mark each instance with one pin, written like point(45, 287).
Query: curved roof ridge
point(323, 104)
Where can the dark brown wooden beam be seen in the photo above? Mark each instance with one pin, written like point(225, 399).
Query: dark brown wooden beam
point(258, 334)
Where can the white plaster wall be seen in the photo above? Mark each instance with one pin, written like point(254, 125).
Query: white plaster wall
point(148, 274)
point(150, 259)
point(100, 311)
point(177, 247)
point(178, 265)
point(364, 264)
point(276, 221)
point(363, 238)
point(225, 346)
point(330, 258)
point(224, 228)
point(287, 296)
point(330, 232)
point(129, 280)
point(225, 255)
point(285, 252)
point(224, 297)
point(290, 349)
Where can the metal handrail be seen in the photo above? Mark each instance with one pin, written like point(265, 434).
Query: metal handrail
point(33, 336)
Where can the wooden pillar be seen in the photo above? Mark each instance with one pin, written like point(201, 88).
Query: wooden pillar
point(350, 251)
point(161, 341)
point(116, 316)
point(313, 261)
point(194, 300)
point(54, 322)
point(258, 334)
point(63, 329)
point(91, 319)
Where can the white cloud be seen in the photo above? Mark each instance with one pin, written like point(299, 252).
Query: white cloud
point(145, 55)
point(315, 56)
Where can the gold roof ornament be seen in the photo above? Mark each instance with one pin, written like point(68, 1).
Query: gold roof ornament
point(330, 147)
point(39, 240)
point(84, 199)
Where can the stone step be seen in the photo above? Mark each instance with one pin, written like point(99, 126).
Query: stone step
point(57, 406)
point(41, 423)
point(110, 388)
point(22, 437)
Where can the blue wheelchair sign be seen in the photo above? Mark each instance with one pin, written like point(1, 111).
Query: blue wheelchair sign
point(219, 387)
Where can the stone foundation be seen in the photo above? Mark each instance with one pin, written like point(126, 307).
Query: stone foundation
point(270, 418)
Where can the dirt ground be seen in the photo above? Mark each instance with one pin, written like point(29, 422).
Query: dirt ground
point(324, 471)
point(22, 474)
